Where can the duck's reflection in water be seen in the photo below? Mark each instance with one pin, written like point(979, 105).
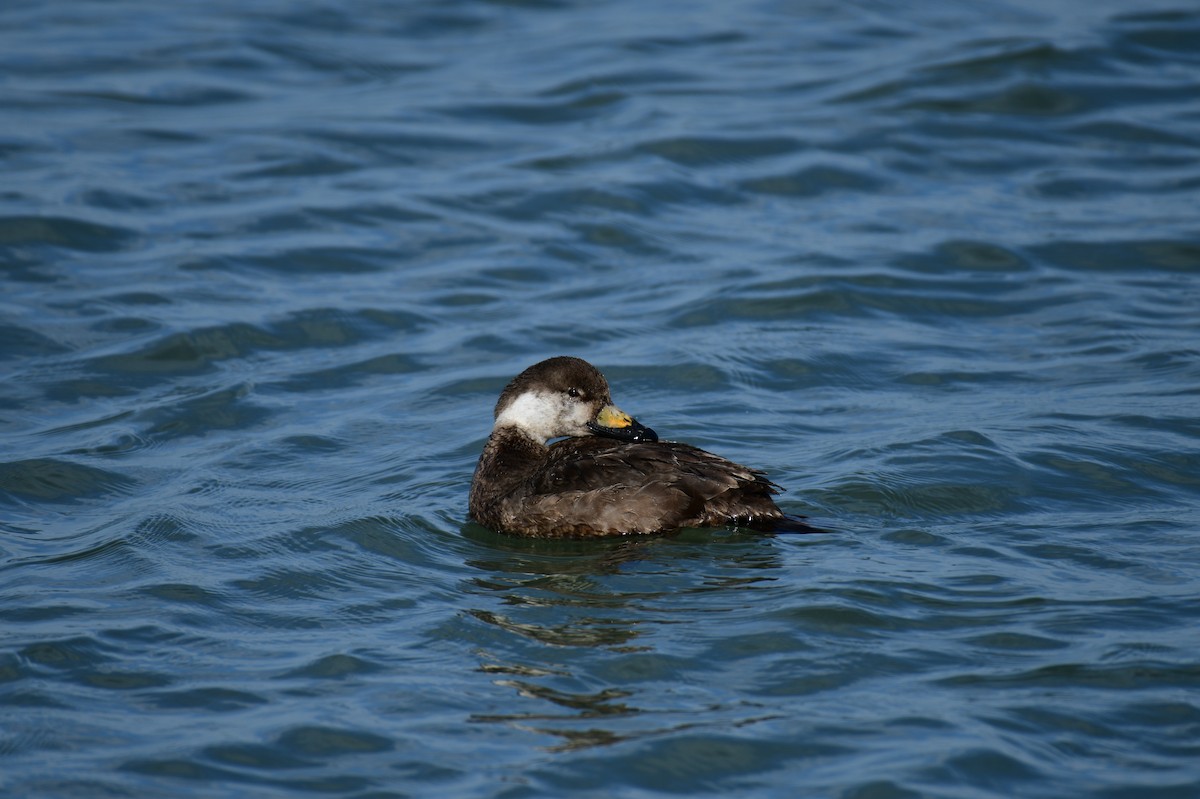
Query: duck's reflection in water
point(578, 628)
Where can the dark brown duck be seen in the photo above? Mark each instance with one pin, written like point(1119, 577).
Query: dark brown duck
point(609, 475)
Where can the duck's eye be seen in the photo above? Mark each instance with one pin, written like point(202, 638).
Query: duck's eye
point(573, 392)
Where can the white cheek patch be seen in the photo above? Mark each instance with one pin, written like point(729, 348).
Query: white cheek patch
point(579, 413)
point(543, 415)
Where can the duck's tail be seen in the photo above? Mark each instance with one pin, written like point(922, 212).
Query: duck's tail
point(785, 524)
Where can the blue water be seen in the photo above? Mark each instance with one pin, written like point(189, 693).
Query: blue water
point(265, 267)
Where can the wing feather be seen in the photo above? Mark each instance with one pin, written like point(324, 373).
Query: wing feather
point(593, 486)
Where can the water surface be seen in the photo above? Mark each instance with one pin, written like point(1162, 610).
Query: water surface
point(265, 270)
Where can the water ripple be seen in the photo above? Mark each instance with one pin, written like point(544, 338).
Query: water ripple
point(264, 273)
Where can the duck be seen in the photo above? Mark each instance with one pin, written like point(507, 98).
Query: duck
point(562, 461)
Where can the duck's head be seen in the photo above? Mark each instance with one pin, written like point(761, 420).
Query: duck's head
point(565, 396)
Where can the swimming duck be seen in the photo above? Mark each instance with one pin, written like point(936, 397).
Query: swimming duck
point(609, 475)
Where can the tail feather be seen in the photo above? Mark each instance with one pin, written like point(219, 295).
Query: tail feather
point(784, 524)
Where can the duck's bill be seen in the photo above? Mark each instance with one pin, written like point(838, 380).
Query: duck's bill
point(612, 422)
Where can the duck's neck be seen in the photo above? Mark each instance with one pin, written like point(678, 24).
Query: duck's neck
point(508, 458)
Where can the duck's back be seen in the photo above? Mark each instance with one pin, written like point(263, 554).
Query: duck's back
point(595, 487)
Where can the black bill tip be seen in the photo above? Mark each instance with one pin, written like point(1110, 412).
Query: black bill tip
point(633, 432)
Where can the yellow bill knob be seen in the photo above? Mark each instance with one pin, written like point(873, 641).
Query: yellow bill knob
point(612, 416)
